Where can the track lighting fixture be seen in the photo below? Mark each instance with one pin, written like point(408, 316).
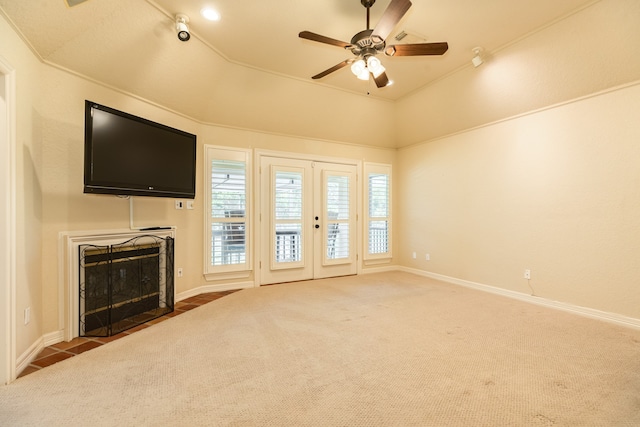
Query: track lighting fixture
point(182, 28)
point(477, 59)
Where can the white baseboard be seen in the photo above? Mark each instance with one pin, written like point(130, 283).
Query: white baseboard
point(28, 356)
point(213, 288)
point(32, 352)
point(53, 338)
point(618, 319)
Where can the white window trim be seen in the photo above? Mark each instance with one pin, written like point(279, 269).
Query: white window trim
point(234, 271)
point(382, 169)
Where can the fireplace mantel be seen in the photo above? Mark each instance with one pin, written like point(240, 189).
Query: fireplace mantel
point(69, 267)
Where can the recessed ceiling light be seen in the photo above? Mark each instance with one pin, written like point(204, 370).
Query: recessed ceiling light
point(210, 14)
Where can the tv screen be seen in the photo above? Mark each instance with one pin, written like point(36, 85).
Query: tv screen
point(129, 155)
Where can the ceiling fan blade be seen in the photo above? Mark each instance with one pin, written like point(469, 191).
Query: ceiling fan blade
point(322, 39)
point(382, 80)
point(416, 49)
point(390, 18)
point(332, 69)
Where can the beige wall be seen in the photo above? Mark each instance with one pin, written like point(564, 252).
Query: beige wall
point(29, 207)
point(556, 192)
point(497, 181)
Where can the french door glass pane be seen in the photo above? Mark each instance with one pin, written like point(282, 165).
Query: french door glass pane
point(337, 197)
point(338, 241)
point(288, 196)
point(288, 216)
point(288, 243)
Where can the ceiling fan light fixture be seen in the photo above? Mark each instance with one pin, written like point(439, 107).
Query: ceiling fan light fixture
point(359, 69)
point(375, 66)
point(366, 44)
point(378, 72)
point(364, 75)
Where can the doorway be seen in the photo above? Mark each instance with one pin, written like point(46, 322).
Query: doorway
point(308, 227)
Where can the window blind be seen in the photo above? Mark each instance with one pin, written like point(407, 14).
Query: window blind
point(378, 228)
point(228, 204)
point(338, 202)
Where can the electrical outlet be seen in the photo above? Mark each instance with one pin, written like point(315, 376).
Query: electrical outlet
point(189, 204)
point(527, 274)
point(27, 315)
point(427, 257)
point(179, 271)
point(414, 255)
point(179, 204)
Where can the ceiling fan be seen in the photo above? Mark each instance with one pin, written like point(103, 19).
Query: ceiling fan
point(366, 44)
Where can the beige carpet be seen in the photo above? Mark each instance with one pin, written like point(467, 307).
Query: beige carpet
point(389, 349)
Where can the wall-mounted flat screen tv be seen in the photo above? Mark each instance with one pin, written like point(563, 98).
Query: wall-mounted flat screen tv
point(131, 156)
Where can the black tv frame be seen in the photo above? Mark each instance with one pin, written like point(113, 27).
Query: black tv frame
point(149, 129)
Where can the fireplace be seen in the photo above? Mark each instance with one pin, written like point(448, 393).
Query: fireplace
point(124, 285)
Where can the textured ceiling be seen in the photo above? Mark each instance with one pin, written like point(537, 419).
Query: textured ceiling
point(132, 44)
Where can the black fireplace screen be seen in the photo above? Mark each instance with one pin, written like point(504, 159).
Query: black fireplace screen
point(125, 285)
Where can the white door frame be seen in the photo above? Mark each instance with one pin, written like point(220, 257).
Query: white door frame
point(258, 154)
point(7, 222)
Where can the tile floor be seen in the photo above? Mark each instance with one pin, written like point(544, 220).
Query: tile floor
point(64, 350)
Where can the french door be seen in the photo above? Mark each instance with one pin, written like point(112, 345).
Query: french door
point(307, 220)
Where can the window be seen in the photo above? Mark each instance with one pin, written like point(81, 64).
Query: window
point(227, 179)
point(378, 210)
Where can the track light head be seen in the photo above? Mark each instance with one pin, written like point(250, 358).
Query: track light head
point(182, 28)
